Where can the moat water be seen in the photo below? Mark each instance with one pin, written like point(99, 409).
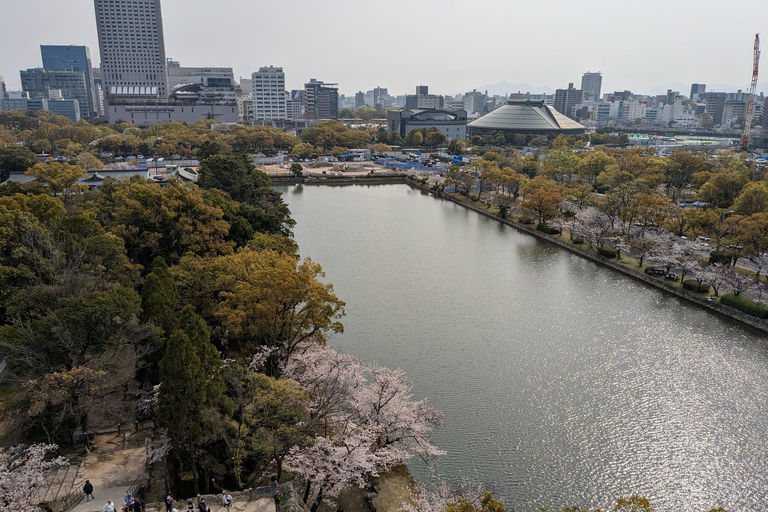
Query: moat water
point(562, 382)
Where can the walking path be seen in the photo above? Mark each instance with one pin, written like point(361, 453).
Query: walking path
point(116, 494)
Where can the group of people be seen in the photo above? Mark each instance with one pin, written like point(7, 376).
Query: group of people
point(134, 504)
point(202, 506)
point(130, 503)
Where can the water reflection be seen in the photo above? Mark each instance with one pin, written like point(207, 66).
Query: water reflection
point(560, 380)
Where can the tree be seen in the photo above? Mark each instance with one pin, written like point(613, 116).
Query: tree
point(414, 138)
point(276, 416)
point(434, 137)
point(722, 189)
point(716, 275)
point(15, 159)
point(752, 199)
point(22, 476)
point(681, 167)
point(59, 179)
point(89, 162)
point(168, 221)
point(593, 164)
point(633, 504)
point(375, 424)
point(297, 169)
point(457, 147)
point(190, 374)
point(302, 150)
point(267, 299)
point(208, 149)
point(543, 198)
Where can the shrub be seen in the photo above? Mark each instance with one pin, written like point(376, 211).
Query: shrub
point(745, 304)
point(546, 228)
point(718, 257)
point(576, 240)
point(650, 270)
point(606, 252)
point(694, 286)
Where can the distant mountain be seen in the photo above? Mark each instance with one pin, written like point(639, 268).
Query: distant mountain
point(505, 88)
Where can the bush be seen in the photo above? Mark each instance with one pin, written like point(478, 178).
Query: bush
point(546, 228)
point(694, 286)
point(745, 304)
point(576, 240)
point(650, 270)
point(718, 257)
point(606, 252)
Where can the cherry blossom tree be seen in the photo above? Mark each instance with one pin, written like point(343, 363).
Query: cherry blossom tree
point(740, 283)
point(22, 477)
point(716, 275)
point(593, 227)
point(436, 493)
point(368, 419)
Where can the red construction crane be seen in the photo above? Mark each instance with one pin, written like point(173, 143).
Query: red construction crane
point(751, 101)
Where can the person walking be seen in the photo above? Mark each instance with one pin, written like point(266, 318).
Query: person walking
point(226, 500)
point(190, 506)
point(88, 490)
point(168, 503)
point(202, 506)
point(108, 507)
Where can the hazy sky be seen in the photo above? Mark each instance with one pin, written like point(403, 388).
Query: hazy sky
point(450, 45)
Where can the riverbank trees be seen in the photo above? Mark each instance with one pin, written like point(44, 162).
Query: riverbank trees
point(189, 306)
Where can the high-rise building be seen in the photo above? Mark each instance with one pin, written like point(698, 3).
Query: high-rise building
point(422, 90)
point(591, 84)
point(268, 94)
point(77, 58)
point(132, 48)
point(72, 84)
point(697, 90)
point(566, 99)
point(359, 99)
point(715, 102)
point(672, 96)
point(2, 87)
point(321, 100)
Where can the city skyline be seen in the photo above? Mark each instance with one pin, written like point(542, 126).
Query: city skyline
point(683, 45)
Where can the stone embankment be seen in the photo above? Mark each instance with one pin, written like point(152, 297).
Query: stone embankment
point(715, 307)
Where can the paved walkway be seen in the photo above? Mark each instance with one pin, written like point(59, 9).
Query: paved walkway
point(116, 494)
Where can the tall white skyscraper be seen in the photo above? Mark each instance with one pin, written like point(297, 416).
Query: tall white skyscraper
point(269, 94)
point(132, 47)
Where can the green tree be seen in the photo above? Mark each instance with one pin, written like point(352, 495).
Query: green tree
point(15, 159)
point(297, 169)
point(208, 149)
point(267, 299)
point(457, 147)
point(191, 390)
point(414, 138)
point(752, 199)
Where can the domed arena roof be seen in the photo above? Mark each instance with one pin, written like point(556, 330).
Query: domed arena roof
point(526, 116)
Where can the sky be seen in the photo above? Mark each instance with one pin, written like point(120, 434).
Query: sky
point(450, 45)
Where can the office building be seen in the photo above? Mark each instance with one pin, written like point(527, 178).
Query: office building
point(295, 105)
point(566, 99)
point(671, 96)
point(453, 123)
point(591, 84)
point(422, 90)
point(268, 94)
point(715, 102)
point(359, 99)
point(474, 102)
point(2, 88)
point(321, 100)
point(77, 58)
point(67, 108)
point(697, 90)
point(72, 84)
point(208, 75)
point(132, 48)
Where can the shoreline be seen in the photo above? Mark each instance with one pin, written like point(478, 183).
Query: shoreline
point(714, 307)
